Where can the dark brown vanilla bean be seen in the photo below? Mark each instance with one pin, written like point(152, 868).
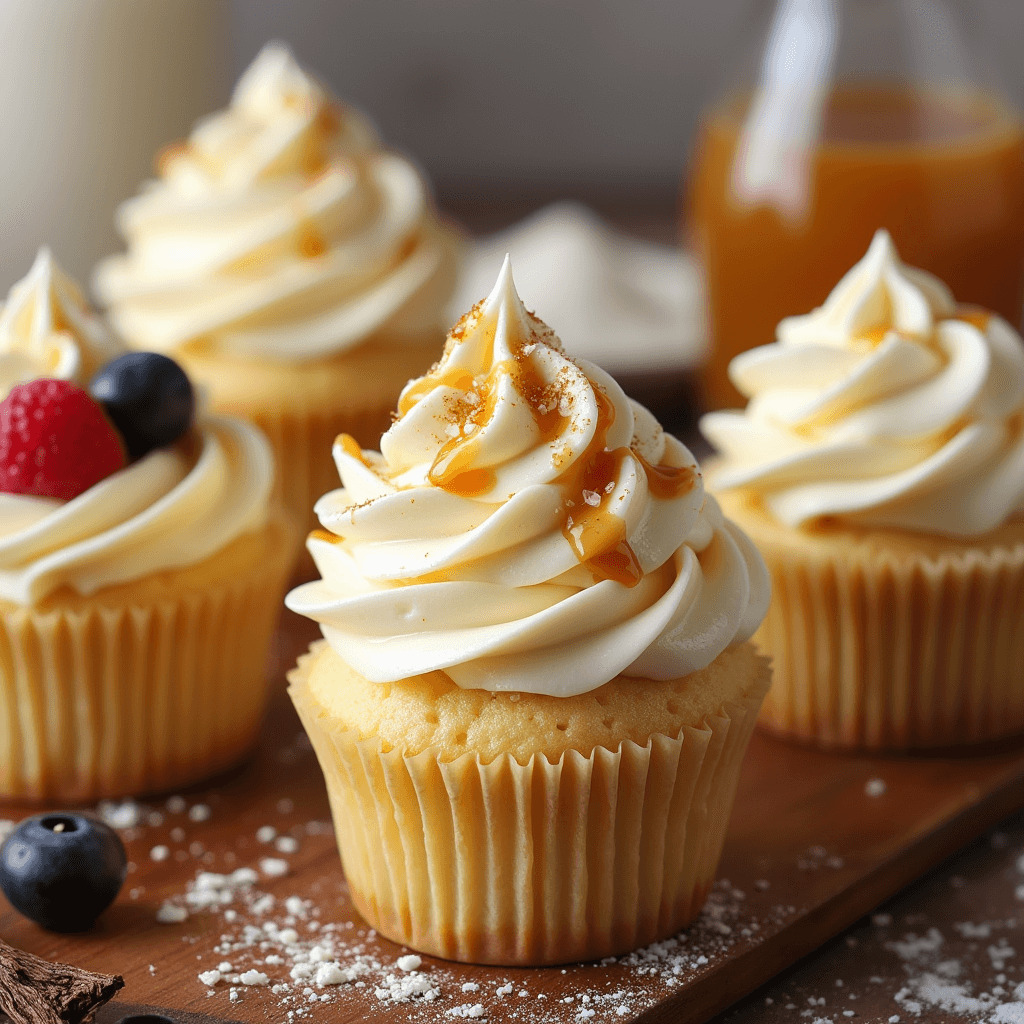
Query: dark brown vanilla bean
point(35, 991)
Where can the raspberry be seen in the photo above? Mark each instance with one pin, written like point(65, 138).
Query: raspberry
point(55, 441)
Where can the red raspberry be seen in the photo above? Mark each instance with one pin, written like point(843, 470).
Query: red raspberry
point(55, 441)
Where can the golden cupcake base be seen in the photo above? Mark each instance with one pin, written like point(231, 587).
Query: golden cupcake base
point(536, 861)
point(883, 640)
point(144, 686)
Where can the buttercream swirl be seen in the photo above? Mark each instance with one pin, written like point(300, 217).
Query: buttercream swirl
point(526, 527)
point(173, 508)
point(48, 330)
point(889, 406)
point(280, 230)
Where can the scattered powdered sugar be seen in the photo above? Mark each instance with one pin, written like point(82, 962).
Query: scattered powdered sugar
point(121, 815)
point(950, 949)
point(274, 867)
point(287, 948)
point(170, 913)
point(258, 940)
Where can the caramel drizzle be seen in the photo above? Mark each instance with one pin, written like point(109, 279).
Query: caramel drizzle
point(874, 336)
point(596, 534)
point(977, 316)
point(325, 535)
point(323, 128)
point(350, 446)
point(310, 241)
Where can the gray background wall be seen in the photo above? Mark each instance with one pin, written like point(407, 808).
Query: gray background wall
point(566, 94)
point(504, 102)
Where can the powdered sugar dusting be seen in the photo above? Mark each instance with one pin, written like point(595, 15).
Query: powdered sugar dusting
point(310, 961)
point(950, 949)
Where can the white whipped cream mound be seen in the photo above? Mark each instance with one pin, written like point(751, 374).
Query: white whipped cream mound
point(279, 230)
point(48, 330)
point(526, 527)
point(889, 406)
point(175, 507)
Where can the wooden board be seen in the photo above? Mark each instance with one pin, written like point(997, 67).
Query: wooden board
point(809, 851)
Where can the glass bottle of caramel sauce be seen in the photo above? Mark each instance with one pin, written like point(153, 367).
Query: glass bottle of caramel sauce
point(787, 192)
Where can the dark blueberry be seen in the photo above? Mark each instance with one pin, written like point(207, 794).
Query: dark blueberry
point(148, 397)
point(62, 870)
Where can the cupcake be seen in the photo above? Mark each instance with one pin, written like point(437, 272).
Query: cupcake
point(534, 690)
point(879, 468)
point(140, 563)
point(295, 268)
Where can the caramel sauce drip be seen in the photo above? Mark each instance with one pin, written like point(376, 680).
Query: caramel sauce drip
point(668, 482)
point(596, 534)
point(324, 127)
point(974, 315)
point(452, 469)
point(876, 335)
point(456, 378)
point(350, 446)
point(325, 535)
point(310, 241)
point(328, 119)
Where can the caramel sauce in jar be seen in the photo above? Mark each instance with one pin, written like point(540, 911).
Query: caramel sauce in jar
point(942, 171)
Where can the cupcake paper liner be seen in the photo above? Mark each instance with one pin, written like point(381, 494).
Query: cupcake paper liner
point(884, 652)
point(113, 696)
point(536, 863)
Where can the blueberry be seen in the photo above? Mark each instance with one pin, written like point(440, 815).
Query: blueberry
point(62, 870)
point(148, 397)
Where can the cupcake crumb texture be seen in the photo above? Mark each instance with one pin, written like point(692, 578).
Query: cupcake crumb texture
point(431, 711)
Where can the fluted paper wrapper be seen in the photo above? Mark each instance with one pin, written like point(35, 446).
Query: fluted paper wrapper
point(894, 653)
point(101, 700)
point(536, 863)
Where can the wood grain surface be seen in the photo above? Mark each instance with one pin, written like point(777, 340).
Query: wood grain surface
point(810, 850)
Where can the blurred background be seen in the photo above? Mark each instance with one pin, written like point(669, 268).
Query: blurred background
point(509, 103)
point(509, 106)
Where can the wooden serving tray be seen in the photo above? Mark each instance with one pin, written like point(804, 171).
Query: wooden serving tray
point(814, 844)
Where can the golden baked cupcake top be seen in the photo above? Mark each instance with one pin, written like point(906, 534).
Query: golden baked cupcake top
point(279, 230)
point(890, 406)
point(141, 511)
point(526, 527)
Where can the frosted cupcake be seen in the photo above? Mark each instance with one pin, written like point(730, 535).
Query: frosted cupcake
point(295, 268)
point(534, 693)
point(879, 467)
point(139, 582)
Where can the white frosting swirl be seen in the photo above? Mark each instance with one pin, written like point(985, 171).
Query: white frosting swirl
point(280, 230)
point(172, 508)
point(887, 407)
point(526, 527)
point(48, 330)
